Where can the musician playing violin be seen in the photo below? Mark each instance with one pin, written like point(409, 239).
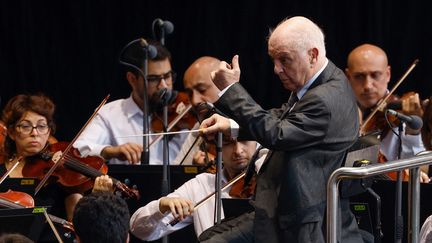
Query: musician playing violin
point(29, 122)
point(151, 221)
point(201, 91)
point(103, 136)
point(369, 74)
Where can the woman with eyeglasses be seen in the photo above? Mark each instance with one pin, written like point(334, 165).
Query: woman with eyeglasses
point(29, 123)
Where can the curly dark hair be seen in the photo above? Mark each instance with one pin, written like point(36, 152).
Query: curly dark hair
point(18, 105)
point(101, 217)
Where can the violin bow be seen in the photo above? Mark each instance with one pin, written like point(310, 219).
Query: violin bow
point(65, 152)
point(380, 106)
point(172, 124)
point(53, 228)
point(162, 133)
point(205, 199)
point(10, 170)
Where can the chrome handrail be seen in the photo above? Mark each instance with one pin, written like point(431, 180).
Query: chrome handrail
point(371, 170)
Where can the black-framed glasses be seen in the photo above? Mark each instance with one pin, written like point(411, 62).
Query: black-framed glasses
point(27, 129)
point(168, 77)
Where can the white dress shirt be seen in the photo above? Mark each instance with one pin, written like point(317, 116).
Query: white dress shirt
point(120, 118)
point(411, 145)
point(148, 223)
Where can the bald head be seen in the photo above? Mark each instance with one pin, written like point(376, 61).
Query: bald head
point(369, 74)
point(299, 32)
point(197, 80)
point(298, 51)
point(366, 53)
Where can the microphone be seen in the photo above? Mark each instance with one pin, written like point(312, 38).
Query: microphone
point(150, 49)
point(216, 110)
point(412, 121)
point(165, 96)
point(165, 27)
point(135, 52)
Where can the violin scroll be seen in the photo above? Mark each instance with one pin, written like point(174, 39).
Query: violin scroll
point(125, 191)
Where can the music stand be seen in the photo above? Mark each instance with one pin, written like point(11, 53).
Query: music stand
point(26, 221)
point(26, 185)
point(234, 207)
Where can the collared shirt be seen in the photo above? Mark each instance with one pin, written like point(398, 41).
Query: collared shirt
point(120, 118)
point(148, 223)
point(305, 87)
point(411, 145)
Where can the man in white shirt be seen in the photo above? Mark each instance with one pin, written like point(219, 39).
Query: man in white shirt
point(105, 135)
point(369, 74)
point(151, 222)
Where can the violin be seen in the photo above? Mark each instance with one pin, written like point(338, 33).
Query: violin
point(240, 190)
point(383, 103)
point(75, 172)
point(238, 179)
point(382, 123)
point(180, 116)
point(15, 199)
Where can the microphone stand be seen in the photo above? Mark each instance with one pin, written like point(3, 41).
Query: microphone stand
point(145, 156)
point(149, 51)
point(218, 199)
point(398, 230)
point(165, 189)
point(378, 234)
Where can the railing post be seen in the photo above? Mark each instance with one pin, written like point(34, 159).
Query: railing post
point(414, 205)
point(332, 206)
point(371, 170)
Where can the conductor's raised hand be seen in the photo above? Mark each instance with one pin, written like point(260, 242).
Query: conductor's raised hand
point(227, 74)
point(215, 123)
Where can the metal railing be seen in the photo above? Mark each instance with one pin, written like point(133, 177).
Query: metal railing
point(372, 170)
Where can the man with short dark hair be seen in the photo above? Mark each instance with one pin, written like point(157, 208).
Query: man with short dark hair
point(101, 217)
point(107, 134)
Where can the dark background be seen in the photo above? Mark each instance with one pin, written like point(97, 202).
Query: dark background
point(69, 49)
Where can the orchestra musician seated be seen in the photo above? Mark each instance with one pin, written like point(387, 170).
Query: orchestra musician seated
point(201, 92)
point(30, 126)
point(107, 134)
point(369, 74)
point(152, 221)
point(29, 122)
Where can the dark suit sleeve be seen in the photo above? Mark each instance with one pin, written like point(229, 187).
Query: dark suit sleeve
point(295, 130)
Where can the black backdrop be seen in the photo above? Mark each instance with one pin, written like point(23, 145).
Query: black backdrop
point(69, 49)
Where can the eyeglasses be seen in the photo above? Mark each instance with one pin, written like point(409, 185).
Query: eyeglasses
point(28, 129)
point(168, 77)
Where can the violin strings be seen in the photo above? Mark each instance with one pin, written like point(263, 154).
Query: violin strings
point(162, 133)
point(80, 166)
